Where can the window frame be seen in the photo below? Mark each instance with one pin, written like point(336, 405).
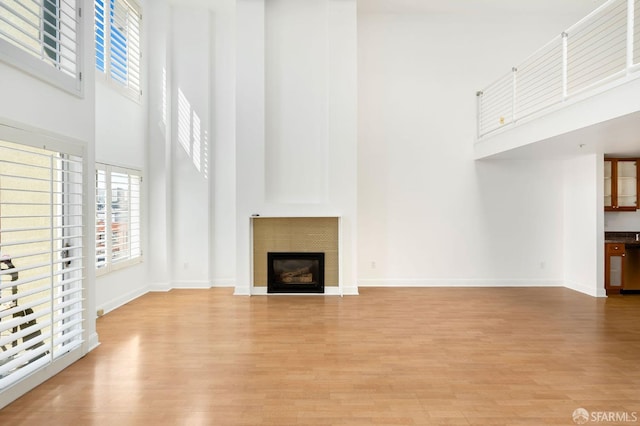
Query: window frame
point(109, 265)
point(44, 67)
point(103, 52)
point(64, 352)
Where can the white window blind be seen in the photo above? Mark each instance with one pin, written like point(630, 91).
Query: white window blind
point(41, 276)
point(41, 37)
point(118, 232)
point(117, 31)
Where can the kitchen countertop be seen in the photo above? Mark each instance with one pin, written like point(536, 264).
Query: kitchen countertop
point(625, 242)
point(626, 238)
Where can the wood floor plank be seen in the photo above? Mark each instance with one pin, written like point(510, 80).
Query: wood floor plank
point(419, 356)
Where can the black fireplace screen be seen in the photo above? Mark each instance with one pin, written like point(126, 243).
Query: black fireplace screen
point(295, 272)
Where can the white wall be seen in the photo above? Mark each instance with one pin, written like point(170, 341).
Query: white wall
point(428, 213)
point(296, 119)
point(41, 109)
point(296, 96)
point(158, 172)
point(583, 232)
point(191, 119)
point(622, 221)
point(190, 63)
point(120, 127)
point(31, 101)
point(120, 139)
point(223, 146)
point(272, 82)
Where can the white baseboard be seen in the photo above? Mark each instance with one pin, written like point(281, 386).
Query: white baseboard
point(579, 287)
point(350, 290)
point(191, 284)
point(122, 300)
point(223, 282)
point(160, 287)
point(458, 283)
point(242, 291)
point(93, 342)
point(216, 282)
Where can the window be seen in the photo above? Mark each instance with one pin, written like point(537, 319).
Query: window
point(118, 239)
point(117, 33)
point(41, 37)
point(41, 258)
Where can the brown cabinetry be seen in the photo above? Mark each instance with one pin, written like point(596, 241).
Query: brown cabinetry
point(621, 184)
point(614, 263)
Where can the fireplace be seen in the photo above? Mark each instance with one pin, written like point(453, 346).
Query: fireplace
point(295, 272)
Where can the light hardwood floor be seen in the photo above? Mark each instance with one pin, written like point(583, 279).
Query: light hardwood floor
point(428, 356)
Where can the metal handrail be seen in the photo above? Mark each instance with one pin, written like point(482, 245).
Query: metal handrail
point(598, 49)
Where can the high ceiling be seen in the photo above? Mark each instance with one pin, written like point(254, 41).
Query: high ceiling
point(475, 6)
point(615, 137)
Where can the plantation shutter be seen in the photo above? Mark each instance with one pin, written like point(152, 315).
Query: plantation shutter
point(118, 230)
point(47, 30)
point(101, 219)
point(101, 35)
point(41, 277)
point(118, 52)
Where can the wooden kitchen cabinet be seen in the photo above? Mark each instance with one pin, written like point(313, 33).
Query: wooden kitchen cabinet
point(621, 184)
point(614, 263)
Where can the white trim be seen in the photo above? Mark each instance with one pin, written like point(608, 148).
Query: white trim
point(350, 290)
point(242, 291)
point(42, 68)
point(108, 170)
point(93, 342)
point(223, 282)
point(21, 134)
point(39, 377)
point(582, 288)
point(428, 282)
point(37, 138)
point(121, 300)
point(132, 88)
point(191, 284)
point(161, 287)
point(119, 265)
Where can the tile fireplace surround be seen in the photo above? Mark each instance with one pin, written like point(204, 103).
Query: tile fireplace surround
point(295, 234)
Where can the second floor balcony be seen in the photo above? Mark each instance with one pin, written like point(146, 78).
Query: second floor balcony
point(593, 65)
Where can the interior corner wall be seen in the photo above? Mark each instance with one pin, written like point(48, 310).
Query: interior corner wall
point(223, 146)
point(191, 143)
point(296, 119)
point(38, 108)
point(583, 235)
point(428, 214)
point(120, 140)
point(190, 115)
point(158, 154)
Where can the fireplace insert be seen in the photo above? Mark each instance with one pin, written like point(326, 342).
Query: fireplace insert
point(301, 272)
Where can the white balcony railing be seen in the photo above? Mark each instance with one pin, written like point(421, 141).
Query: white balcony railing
point(602, 48)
